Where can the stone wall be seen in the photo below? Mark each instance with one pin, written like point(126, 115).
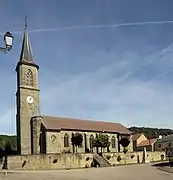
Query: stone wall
point(77, 160)
point(155, 155)
point(133, 157)
point(49, 161)
point(121, 158)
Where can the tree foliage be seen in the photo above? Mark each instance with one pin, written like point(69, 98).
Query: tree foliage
point(101, 140)
point(124, 142)
point(77, 139)
point(151, 132)
point(5, 139)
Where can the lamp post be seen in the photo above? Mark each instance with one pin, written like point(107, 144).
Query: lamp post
point(8, 39)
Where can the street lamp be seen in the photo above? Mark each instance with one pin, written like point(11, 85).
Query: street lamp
point(8, 39)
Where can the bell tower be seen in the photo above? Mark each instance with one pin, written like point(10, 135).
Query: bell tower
point(27, 95)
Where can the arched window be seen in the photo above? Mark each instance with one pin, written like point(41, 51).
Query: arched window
point(66, 140)
point(113, 142)
point(29, 78)
point(91, 141)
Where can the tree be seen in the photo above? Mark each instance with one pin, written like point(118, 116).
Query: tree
point(101, 140)
point(151, 132)
point(77, 140)
point(8, 148)
point(4, 139)
point(124, 141)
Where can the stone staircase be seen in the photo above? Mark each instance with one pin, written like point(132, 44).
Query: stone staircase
point(101, 162)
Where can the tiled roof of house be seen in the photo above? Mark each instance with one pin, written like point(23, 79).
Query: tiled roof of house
point(61, 123)
point(136, 136)
point(147, 142)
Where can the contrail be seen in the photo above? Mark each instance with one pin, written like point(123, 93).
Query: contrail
point(98, 26)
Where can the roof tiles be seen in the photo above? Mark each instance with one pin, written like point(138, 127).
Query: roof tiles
point(62, 123)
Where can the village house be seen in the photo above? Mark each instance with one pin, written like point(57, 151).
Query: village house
point(140, 141)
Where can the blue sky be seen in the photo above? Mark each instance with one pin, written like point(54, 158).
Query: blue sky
point(121, 74)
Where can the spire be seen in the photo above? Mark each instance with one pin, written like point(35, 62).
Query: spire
point(26, 53)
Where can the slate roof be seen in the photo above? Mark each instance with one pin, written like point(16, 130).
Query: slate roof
point(26, 52)
point(62, 123)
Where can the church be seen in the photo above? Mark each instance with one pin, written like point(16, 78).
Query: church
point(45, 134)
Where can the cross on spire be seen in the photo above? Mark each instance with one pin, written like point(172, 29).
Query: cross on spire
point(26, 22)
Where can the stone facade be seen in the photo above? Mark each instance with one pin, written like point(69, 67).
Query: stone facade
point(25, 109)
point(164, 143)
point(35, 134)
point(55, 142)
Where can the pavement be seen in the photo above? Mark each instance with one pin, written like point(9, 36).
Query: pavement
point(132, 172)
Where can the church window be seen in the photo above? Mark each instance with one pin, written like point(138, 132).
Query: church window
point(29, 78)
point(66, 140)
point(113, 142)
point(91, 141)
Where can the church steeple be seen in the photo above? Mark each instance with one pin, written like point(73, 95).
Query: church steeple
point(26, 55)
point(27, 96)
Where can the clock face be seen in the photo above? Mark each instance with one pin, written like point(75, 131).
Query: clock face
point(30, 99)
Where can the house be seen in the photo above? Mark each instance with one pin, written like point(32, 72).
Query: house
point(140, 141)
point(165, 143)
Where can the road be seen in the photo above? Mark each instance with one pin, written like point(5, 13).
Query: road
point(129, 172)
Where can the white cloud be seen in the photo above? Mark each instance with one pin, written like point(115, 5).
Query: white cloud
point(101, 96)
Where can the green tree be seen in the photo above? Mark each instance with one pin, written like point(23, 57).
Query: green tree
point(8, 148)
point(77, 140)
point(151, 132)
point(101, 140)
point(11, 139)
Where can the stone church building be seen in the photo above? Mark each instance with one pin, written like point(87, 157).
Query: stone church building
point(45, 134)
